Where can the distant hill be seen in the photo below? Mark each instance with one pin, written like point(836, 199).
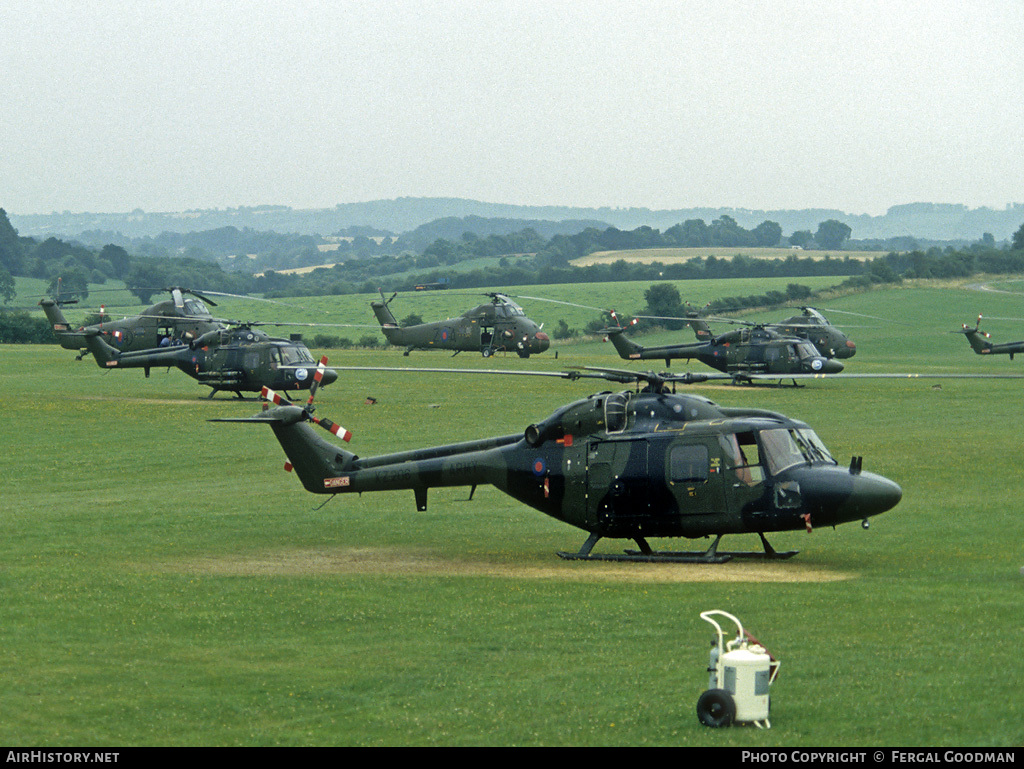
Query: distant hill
point(930, 221)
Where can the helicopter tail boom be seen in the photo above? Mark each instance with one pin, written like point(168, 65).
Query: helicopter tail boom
point(325, 468)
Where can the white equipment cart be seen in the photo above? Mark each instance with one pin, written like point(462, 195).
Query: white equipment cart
point(740, 673)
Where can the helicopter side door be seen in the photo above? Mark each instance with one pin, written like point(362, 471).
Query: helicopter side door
point(693, 473)
point(617, 482)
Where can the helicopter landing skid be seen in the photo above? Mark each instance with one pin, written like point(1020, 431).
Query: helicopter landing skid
point(646, 555)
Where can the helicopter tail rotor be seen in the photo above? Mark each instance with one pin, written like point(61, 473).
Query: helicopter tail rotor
point(307, 412)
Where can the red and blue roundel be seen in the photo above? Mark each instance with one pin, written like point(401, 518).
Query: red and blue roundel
point(444, 335)
point(539, 467)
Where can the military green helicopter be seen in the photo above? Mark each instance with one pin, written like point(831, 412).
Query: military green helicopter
point(740, 353)
point(811, 325)
point(239, 359)
point(629, 465)
point(816, 329)
point(980, 344)
point(182, 317)
point(496, 326)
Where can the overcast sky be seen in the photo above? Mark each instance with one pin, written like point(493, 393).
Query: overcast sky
point(108, 106)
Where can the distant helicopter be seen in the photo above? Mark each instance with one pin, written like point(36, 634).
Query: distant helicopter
point(497, 326)
point(632, 465)
point(741, 352)
point(816, 329)
point(978, 341)
point(811, 325)
point(177, 319)
point(241, 359)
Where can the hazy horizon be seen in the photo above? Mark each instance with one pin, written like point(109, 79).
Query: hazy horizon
point(855, 106)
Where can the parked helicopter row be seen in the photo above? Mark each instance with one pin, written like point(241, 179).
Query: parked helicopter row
point(635, 464)
point(240, 358)
point(181, 333)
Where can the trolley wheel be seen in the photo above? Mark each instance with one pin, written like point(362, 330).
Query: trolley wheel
point(716, 708)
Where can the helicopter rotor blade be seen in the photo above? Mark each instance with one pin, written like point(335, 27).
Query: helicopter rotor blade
point(332, 427)
point(267, 394)
point(318, 377)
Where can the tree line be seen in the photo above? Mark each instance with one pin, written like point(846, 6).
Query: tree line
point(524, 258)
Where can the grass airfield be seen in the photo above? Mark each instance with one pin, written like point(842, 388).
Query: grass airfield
point(164, 582)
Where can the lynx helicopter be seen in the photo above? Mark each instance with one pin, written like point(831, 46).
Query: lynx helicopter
point(625, 465)
point(239, 359)
point(496, 326)
point(739, 353)
point(177, 319)
point(811, 326)
point(980, 344)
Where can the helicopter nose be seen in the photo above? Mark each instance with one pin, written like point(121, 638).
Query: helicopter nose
point(870, 495)
point(543, 341)
point(330, 376)
point(835, 495)
point(826, 366)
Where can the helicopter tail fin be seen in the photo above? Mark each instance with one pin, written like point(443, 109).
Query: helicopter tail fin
point(317, 462)
point(69, 338)
point(696, 321)
point(388, 323)
point(977, 339)
point(105, 355)
point(700, 328)
point(627, 348)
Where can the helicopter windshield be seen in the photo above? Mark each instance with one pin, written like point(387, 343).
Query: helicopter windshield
point(292, 354)
point(195, 307)
point(508, 310)
point(807, 350)
point(786, 447)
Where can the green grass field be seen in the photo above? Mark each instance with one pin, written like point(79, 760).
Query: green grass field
point(164, 582)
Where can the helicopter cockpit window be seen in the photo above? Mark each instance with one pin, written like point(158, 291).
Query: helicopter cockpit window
point(742, 457)
point(807, 350)
point(292, 354)
point(688, 464)
point(195, 307)
point(787, 447)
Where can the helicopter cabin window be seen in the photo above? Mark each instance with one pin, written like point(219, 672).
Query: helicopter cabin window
point(688, 464)
point(743, 457)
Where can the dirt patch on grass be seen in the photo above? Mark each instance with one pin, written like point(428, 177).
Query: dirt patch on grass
point(403, 562)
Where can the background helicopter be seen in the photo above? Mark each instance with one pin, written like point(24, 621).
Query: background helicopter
point(811, 325)
point(499, 325)
point(742, 352)
point(173, 320)
point(816, 329)
point(630, 465)
point(240, 359)
point(980, 344)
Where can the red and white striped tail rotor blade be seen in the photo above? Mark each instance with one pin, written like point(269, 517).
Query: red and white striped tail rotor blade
point(267, 394)
point(333, 427)
point(318, 377)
